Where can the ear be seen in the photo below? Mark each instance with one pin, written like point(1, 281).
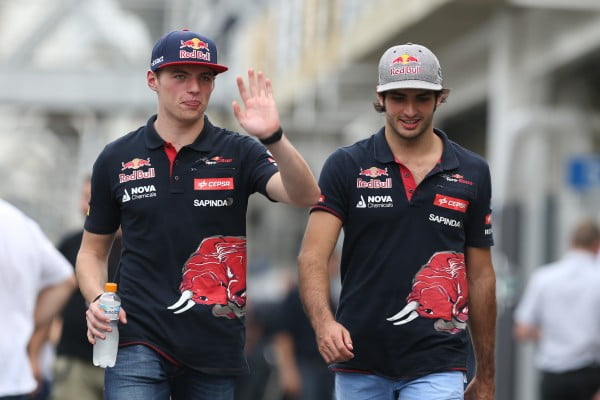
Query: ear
point(439, 99)
point(381, 99)
point(152, 80)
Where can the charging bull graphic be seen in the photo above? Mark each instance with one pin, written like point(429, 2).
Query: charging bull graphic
point(440, 291)
point(215, 274)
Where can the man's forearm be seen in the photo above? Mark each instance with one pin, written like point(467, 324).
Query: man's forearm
point(296, 176)
point(314, 291)
point(482, 324)
point(51, 300)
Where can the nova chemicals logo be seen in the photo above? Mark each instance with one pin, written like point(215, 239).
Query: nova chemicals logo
point(139, 192)
point(375, 202)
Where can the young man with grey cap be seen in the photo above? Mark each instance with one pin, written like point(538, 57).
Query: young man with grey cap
point(179, 187)
point(416, 266)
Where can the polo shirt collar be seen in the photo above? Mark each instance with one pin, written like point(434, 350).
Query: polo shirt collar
point(384, 154)
point(203, 143)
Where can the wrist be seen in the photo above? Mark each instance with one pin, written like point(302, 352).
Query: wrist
point(95, 299)
point(273, 138)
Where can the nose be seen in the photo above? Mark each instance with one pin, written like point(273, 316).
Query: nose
point(193, 86)
point(410, 108)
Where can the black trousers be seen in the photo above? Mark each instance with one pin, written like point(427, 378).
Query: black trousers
point(580, 384)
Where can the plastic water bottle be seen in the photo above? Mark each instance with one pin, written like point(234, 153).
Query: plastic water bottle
point(105, 350)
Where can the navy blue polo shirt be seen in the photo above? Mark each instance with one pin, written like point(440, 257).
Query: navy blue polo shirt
point(403, 254)
point(182, 275)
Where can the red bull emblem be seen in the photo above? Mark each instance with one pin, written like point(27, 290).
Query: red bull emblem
point(135, 163)
point(439, 291)
point(215, 274)
point(194, 43)
point(374, 172)
point(199, 49)
point(488, 219)
point(405, 59)
point(408, 65)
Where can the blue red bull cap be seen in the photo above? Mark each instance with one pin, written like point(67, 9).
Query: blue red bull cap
point(185, 47)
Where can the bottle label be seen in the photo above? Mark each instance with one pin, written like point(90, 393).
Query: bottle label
point(111, 312)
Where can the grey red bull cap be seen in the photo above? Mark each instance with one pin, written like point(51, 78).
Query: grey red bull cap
point(185, 47)
point(409, 66)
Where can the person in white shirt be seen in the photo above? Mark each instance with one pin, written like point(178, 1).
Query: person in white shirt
point(559, 310)
point(36, 280)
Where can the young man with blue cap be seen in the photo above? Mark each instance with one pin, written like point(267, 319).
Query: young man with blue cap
point(416, 267)
point(179, 187)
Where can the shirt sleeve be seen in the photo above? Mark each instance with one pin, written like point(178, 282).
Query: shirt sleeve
point(104, 214)
point(334, 196)
point(55, 268)
point(528, 308)
point(478, 226)
point(260, 167)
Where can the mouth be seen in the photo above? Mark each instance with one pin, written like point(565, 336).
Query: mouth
point(410, 123)
point(191, 103)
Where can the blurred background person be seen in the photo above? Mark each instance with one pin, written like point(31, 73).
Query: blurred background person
point(37, 280)
point(75, 376)
point(302, 372)
point(559, 310)
point(259, 384)
point(42, 352)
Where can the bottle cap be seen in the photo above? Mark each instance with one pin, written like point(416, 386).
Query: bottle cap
point(110, 287)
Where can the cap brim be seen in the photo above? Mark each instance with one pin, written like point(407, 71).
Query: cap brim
point(218, 68)
point(409, 84)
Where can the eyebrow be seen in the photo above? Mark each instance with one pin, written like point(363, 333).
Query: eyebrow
point(182, 71)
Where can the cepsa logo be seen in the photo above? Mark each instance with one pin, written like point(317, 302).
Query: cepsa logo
point(213, 184)
point(451, 203)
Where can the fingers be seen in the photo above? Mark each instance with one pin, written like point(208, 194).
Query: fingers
point(97, 323)
point(242, 88)
point(336, 345)
point(254, 91)
point(347, 340)
point(258, 86)
point(122, 316)
point(261, 84)
point(269, 88)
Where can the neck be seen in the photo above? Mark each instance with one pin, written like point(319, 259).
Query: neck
point(178, 133)
point(423, 147)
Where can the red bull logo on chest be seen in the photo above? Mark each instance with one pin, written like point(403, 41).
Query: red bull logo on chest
point(136, 173)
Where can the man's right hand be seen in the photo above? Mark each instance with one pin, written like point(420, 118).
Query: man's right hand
point(334, 342)
point(98, 323)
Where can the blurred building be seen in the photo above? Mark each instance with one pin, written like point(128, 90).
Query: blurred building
point(525, 95)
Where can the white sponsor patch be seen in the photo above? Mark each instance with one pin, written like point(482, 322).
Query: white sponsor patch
point(375, 202)
point(445, 221)
point(213, 203)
